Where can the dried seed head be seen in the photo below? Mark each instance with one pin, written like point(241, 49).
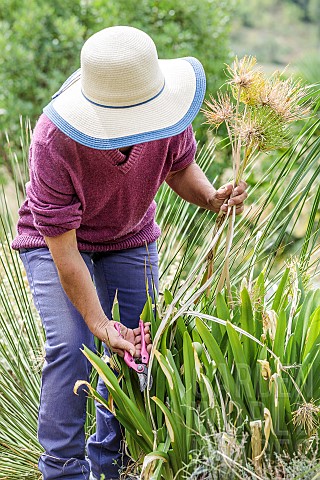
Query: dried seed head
point(256, 440)
point(218, 111)
point(243, 72)
point(307, 417)
point(269, 318)
point(245, 77)
point(285, 97)
point(261, 128)
point(265, 369)
point(251, 133)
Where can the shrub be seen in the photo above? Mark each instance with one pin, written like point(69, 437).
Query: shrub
point(41, 42)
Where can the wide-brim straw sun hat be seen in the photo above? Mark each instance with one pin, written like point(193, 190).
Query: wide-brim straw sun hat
point(123, 94)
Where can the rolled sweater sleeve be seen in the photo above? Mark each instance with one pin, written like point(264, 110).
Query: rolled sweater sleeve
point(51, 195)
point(185, 150)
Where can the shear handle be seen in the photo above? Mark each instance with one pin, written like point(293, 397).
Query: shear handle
point(128, 358)
point(144, 351)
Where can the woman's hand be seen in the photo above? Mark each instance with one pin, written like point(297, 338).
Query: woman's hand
point(147, 337)
point(128, 339)
point(192, 185)
point(236, 197)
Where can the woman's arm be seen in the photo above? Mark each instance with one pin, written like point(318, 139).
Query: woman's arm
point(77, 283)
point(193, 186)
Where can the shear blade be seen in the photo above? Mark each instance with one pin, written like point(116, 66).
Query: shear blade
point(142, 381)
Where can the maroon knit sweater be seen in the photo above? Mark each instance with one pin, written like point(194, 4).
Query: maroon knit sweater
point(108, 197)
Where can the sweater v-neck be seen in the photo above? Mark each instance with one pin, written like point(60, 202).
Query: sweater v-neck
point(124, 161)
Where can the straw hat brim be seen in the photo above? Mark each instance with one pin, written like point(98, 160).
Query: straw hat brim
point(106, 128)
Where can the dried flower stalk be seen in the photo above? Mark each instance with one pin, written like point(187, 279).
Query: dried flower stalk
point(257, 116)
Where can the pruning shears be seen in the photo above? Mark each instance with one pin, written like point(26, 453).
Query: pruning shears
point(139, 365)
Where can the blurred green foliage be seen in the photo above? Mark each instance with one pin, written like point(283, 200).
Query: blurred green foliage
point(40, 42)
point(278, 32)
point(253, 12)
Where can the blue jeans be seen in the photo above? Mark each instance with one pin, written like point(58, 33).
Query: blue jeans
point(62, 413)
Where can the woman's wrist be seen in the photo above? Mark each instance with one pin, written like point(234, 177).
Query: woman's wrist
point(98, 326)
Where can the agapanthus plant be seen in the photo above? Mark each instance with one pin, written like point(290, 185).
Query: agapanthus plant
point(257, 112)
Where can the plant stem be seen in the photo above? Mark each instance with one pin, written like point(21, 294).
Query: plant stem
point(225, 276)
